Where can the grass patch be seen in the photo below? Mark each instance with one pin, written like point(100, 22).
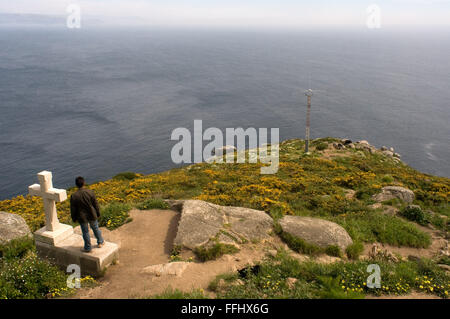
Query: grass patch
point(126, 176)
point(152, 203)
point(336, 280)
point(297, 244)
point(227, 278)
point(17, 248)
point(114, 215)
point(321, 146)
point(444, 260)
point(354, 250)
point(332, 289)
point(170, 293)
point(214, 252)
point(377, 227)
point(334, 251)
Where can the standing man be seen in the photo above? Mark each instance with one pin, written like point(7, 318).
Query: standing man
point(85, 210)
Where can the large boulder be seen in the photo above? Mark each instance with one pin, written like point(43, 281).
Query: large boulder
point(203, 222)
point(365, 146)
point(11, 227)
point(391, 192)
point(319, 232)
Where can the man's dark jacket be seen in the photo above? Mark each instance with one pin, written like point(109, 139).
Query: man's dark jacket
point(84, 206)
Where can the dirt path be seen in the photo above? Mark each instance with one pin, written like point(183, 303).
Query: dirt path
point(148, 240)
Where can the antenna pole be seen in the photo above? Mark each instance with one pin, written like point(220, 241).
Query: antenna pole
point(308, 121)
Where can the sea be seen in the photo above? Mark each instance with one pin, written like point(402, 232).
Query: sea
point(98, 101)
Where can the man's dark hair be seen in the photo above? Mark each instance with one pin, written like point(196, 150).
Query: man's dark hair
point(79, 181)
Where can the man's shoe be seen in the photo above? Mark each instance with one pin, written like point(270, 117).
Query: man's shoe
point(101, 245)
point(86, 251)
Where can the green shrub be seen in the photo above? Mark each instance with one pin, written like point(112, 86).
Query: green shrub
point(127, 176)
point(321, 146)
point(17, 248)
point(415, 214)
point(354, 250)
point(437, 221)
point(387, 179)
point(30, 277)
point(214, 252)
point(153, 203)
point(445, 260)
point(333, 250)
point(114, 215)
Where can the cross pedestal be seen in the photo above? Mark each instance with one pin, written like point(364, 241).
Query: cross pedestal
point(58, 242)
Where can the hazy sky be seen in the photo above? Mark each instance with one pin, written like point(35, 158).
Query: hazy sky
point(245, 12)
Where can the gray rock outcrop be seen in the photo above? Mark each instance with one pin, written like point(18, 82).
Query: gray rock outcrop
point(12, 226)
point(319, 232)
point(391, 192)
point(202, 223)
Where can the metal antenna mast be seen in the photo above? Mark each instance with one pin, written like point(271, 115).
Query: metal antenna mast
point(309, 94)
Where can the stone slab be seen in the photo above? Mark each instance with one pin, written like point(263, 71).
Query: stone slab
point(69, 252)
point(61, 233)
point(173, 269)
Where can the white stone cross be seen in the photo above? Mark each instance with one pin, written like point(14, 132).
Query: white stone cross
point(50, 196)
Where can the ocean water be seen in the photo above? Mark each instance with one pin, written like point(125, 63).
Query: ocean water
point(99, 101)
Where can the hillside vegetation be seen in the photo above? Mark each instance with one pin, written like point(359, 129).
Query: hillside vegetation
point(331, 183)
point(308, 185)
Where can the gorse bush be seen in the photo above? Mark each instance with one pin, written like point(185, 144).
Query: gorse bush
point(153, 203)
point(114, 215)
point(126, 176)
point(415, 214)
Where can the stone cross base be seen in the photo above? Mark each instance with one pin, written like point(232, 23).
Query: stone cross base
point(63, 248)
point(53, 237)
